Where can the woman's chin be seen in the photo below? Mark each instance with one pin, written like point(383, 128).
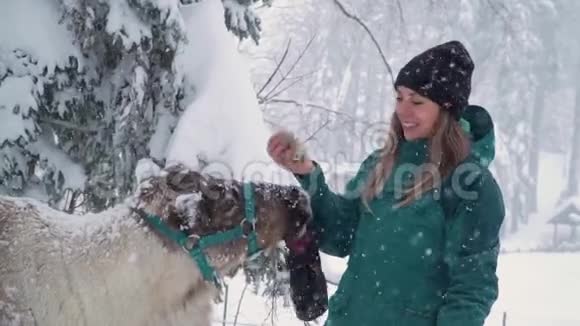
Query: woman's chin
point(410, 135)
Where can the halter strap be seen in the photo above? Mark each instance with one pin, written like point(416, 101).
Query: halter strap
point(250, 214)
point(195, 245)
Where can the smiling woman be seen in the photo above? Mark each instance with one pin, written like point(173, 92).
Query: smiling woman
point(420, 220)
point(417, 114)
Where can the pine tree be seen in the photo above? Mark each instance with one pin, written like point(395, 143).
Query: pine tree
point(79, 126)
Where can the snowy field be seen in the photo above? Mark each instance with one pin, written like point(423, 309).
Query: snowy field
point(536, 289)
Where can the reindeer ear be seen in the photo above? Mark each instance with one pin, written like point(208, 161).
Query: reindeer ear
point(236, 191)
point(214, 189)
point(300, 213)
point(146, 169)
point(295, 195)
point(192, 181)
point(182, 180)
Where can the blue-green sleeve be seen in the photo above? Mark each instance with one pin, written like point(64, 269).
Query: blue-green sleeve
point(336, 216)
point(472, 255)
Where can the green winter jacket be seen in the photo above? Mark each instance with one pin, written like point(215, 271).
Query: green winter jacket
point(431, 263)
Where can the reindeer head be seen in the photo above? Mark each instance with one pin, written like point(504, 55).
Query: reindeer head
point(200, 205)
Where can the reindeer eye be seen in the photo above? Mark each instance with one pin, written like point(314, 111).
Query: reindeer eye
point(231, 198)
point(215, 191)
point(220, 188)
point(294, 195)
point(295, 192)
point(236, 194)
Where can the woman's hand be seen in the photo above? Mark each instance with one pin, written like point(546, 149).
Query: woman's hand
point(285, 150)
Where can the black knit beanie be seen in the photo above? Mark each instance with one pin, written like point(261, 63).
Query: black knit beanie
point(442, 74)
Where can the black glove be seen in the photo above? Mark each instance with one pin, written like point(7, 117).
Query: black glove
point(307, 281)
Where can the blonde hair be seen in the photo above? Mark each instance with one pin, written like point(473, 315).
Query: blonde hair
point(447, 147)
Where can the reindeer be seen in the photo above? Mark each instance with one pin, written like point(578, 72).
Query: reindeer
point(151, 261)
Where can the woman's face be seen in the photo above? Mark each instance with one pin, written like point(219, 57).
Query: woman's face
point(418, 114)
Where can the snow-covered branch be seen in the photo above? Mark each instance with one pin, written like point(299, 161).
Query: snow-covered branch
point(68, 125)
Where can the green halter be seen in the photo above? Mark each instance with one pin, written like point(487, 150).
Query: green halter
point(195, 245)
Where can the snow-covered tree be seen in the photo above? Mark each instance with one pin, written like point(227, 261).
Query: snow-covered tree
point(89, 87)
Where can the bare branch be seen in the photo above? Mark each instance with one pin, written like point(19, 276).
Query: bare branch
point(319, 107)
point(292, 67)
point(308, 74)
point(370, 33)
point(316, 131)
point(225, 306)
point(68, 125)
point(504, 16)
point(240, 304)
point(272, 122)
point(293, 83)
point(277, 68)
point(301, 55)
point(401, 14)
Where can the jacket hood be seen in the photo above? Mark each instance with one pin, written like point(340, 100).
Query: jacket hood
point(477, 122)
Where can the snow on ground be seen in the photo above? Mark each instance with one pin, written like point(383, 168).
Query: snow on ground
point(536, 289)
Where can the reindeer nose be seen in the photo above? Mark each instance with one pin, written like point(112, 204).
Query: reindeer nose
point(300, 244)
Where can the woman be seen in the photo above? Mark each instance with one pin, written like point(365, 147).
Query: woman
point(420, 220)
